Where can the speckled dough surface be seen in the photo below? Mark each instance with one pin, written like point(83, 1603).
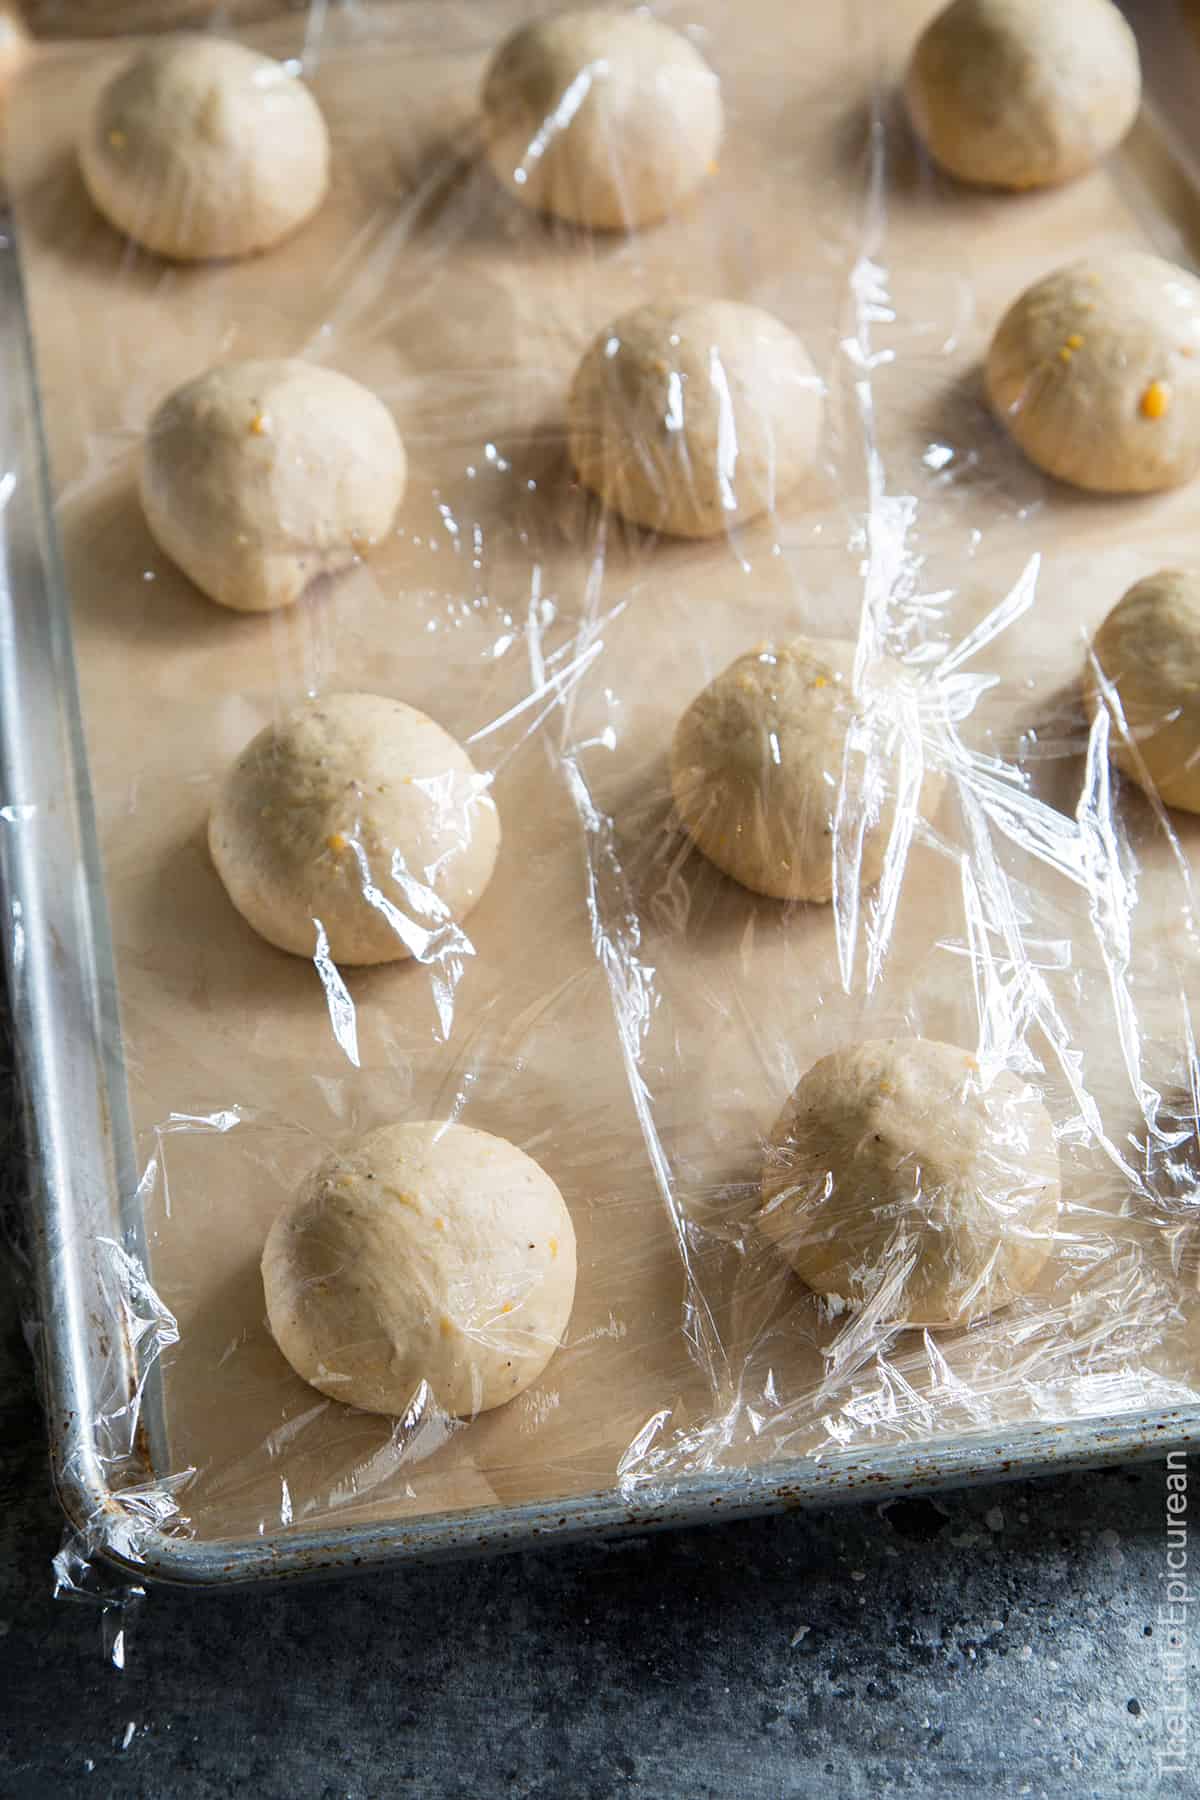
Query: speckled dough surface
point(200, 148)
point(1148, 649)
point(902, 1178)
point(759, 759)
point(259, 477)
point(607, 119)
point(355, 827)
point(1095, 370)
point(1023, 93)
point(429, 1253)
point(692, 417)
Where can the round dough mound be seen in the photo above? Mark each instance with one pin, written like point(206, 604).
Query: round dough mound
point(895, 1175)
point(759, 760)
point(258, 477)
point(200, 148)
point(1023, 93)
point(693, 417)
point(1095, 371)
point(1149, 650)
point(608, 120)
point(428, 1253)
point(358, 814)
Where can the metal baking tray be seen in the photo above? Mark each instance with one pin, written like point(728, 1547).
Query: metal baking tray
point(102, 1393)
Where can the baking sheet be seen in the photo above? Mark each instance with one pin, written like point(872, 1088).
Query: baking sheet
point(629, 1018)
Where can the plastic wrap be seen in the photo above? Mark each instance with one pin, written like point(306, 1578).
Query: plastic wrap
point(631, 1018)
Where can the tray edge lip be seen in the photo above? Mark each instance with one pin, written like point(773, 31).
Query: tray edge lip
point(169, 1559)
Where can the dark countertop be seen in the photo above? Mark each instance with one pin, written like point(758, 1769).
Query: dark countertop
point(1004, 1641)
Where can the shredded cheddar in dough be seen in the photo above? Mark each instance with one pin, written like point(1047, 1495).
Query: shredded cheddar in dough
point(1156, 400)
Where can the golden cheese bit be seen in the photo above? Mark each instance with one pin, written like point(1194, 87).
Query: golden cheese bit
point(507, 1307)
point(396, 1193)
point(117, 139)
point(259, 425)
point(337, 843)
point(1075, 341)
point(885, 1087)
point(554, 1246)
point(821, 681)
point(1065, 354)
point(447, 1326)
point(1155, 401)
point(439, 1224)
point(713, 167)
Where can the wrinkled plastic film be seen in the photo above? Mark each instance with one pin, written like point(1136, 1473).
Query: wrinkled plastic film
point(630, 1017)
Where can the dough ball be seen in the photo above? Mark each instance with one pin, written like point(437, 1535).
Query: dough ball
point(258, 477)
point(200, 148)
point(1095, 371)
point(1023, 93)
point(608, 120)
point(689, 418)
point(427, 1253)
point(759, 762)
point(1149, 650)
point(358, 816)
point(897, 1174)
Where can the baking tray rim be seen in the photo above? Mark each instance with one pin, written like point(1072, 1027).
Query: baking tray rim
point(174, 1560)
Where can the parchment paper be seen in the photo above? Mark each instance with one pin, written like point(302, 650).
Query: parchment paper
point(628, 1017)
